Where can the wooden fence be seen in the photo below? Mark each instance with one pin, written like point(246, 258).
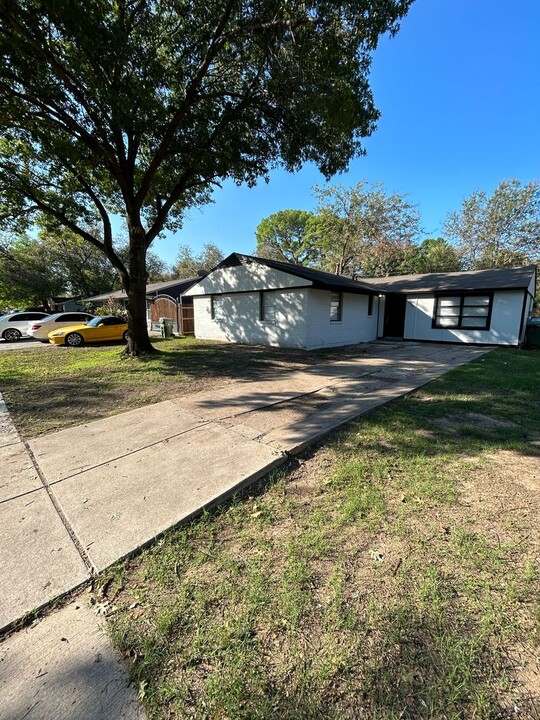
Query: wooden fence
point(181, 315)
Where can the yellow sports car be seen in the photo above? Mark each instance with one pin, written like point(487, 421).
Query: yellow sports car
point(99, 329)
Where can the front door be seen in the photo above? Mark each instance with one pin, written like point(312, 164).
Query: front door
point(394, 315)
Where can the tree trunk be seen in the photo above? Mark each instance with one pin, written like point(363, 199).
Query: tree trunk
point(138, 339)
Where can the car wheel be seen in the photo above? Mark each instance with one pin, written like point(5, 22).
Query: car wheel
point(74, 340)
point(125, 336)
point(11, 335)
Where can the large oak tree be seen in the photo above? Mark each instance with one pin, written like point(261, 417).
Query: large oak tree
point(139, 108)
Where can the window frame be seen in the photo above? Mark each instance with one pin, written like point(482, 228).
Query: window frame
point(262, 305)
point(27, 316)
point(83, 317)
point(485, 327)
point(213, 299)
point(339, 317)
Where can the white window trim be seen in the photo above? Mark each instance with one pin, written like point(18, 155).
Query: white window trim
point(213, 299)
point(340, 307)
point(262, 295)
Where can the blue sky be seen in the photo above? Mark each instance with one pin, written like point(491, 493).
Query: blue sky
point(458, 91)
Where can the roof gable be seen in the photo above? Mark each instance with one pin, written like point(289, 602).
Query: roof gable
point(240, 274)
point(286, 275)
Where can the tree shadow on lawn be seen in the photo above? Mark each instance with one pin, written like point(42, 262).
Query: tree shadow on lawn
point(470, 400)
point(68, 402)
point(236, 360)
point(76, 391)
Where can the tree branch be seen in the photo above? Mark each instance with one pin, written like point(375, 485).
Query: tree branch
point(71, 83)
point(189, 98)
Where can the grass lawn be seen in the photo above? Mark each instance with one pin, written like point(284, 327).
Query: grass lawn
point(391, 572)
point(49, 388)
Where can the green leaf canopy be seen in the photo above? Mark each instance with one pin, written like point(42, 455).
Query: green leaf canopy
point(139, 108)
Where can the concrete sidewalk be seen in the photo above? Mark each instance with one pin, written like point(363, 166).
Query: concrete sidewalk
point(65, 668)
point(76, 501)
point(38, 559)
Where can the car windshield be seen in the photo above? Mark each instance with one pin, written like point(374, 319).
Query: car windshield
point(95, 321)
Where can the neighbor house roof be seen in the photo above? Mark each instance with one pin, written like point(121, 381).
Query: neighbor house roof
point(316, 278)
point(179, 286)
point(115, 294)
point(61, 298)
point(500, 279)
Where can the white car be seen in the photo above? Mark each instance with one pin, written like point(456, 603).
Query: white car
point(40, 329)
point(15, 325)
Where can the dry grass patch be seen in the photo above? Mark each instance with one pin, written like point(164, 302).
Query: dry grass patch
point(51, 388)
point(391, 573)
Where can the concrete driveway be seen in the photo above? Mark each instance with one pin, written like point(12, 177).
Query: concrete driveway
point(25, 343)
point(74, 502)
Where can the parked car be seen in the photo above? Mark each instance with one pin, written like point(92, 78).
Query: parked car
point(100, 329)
point(40, 329)
point(15, 325)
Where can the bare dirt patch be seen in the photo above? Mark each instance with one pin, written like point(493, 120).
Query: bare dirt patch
point(392, 572)
point(505, 492)
point(454, 423)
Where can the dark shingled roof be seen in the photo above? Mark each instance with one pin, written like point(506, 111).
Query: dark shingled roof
point(176, 288)
point(316, 278)
point(500, 279)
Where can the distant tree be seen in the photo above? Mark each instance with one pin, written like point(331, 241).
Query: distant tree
point(28, 276)
point(59, 262)
point(434, 255)
point(288, 236)
point(190, 265)
point(79, 267)
point(501, 230)
point(141, 108)
point(364, 230)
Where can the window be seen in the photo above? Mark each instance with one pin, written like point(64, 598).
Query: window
point(370, 305)
point(335, 307)
point(73, 317)
point(217, 310)
point(23, 317)
point(472, 312)
point(268, 307)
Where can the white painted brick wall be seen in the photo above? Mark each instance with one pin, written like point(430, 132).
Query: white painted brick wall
point(504, 329)
point(241, 323)
point(355, 326)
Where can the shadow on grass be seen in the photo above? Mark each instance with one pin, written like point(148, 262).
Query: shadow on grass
point(69, 386)
point(75, 385)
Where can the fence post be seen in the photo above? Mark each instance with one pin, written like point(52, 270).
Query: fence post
point(179, 316)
